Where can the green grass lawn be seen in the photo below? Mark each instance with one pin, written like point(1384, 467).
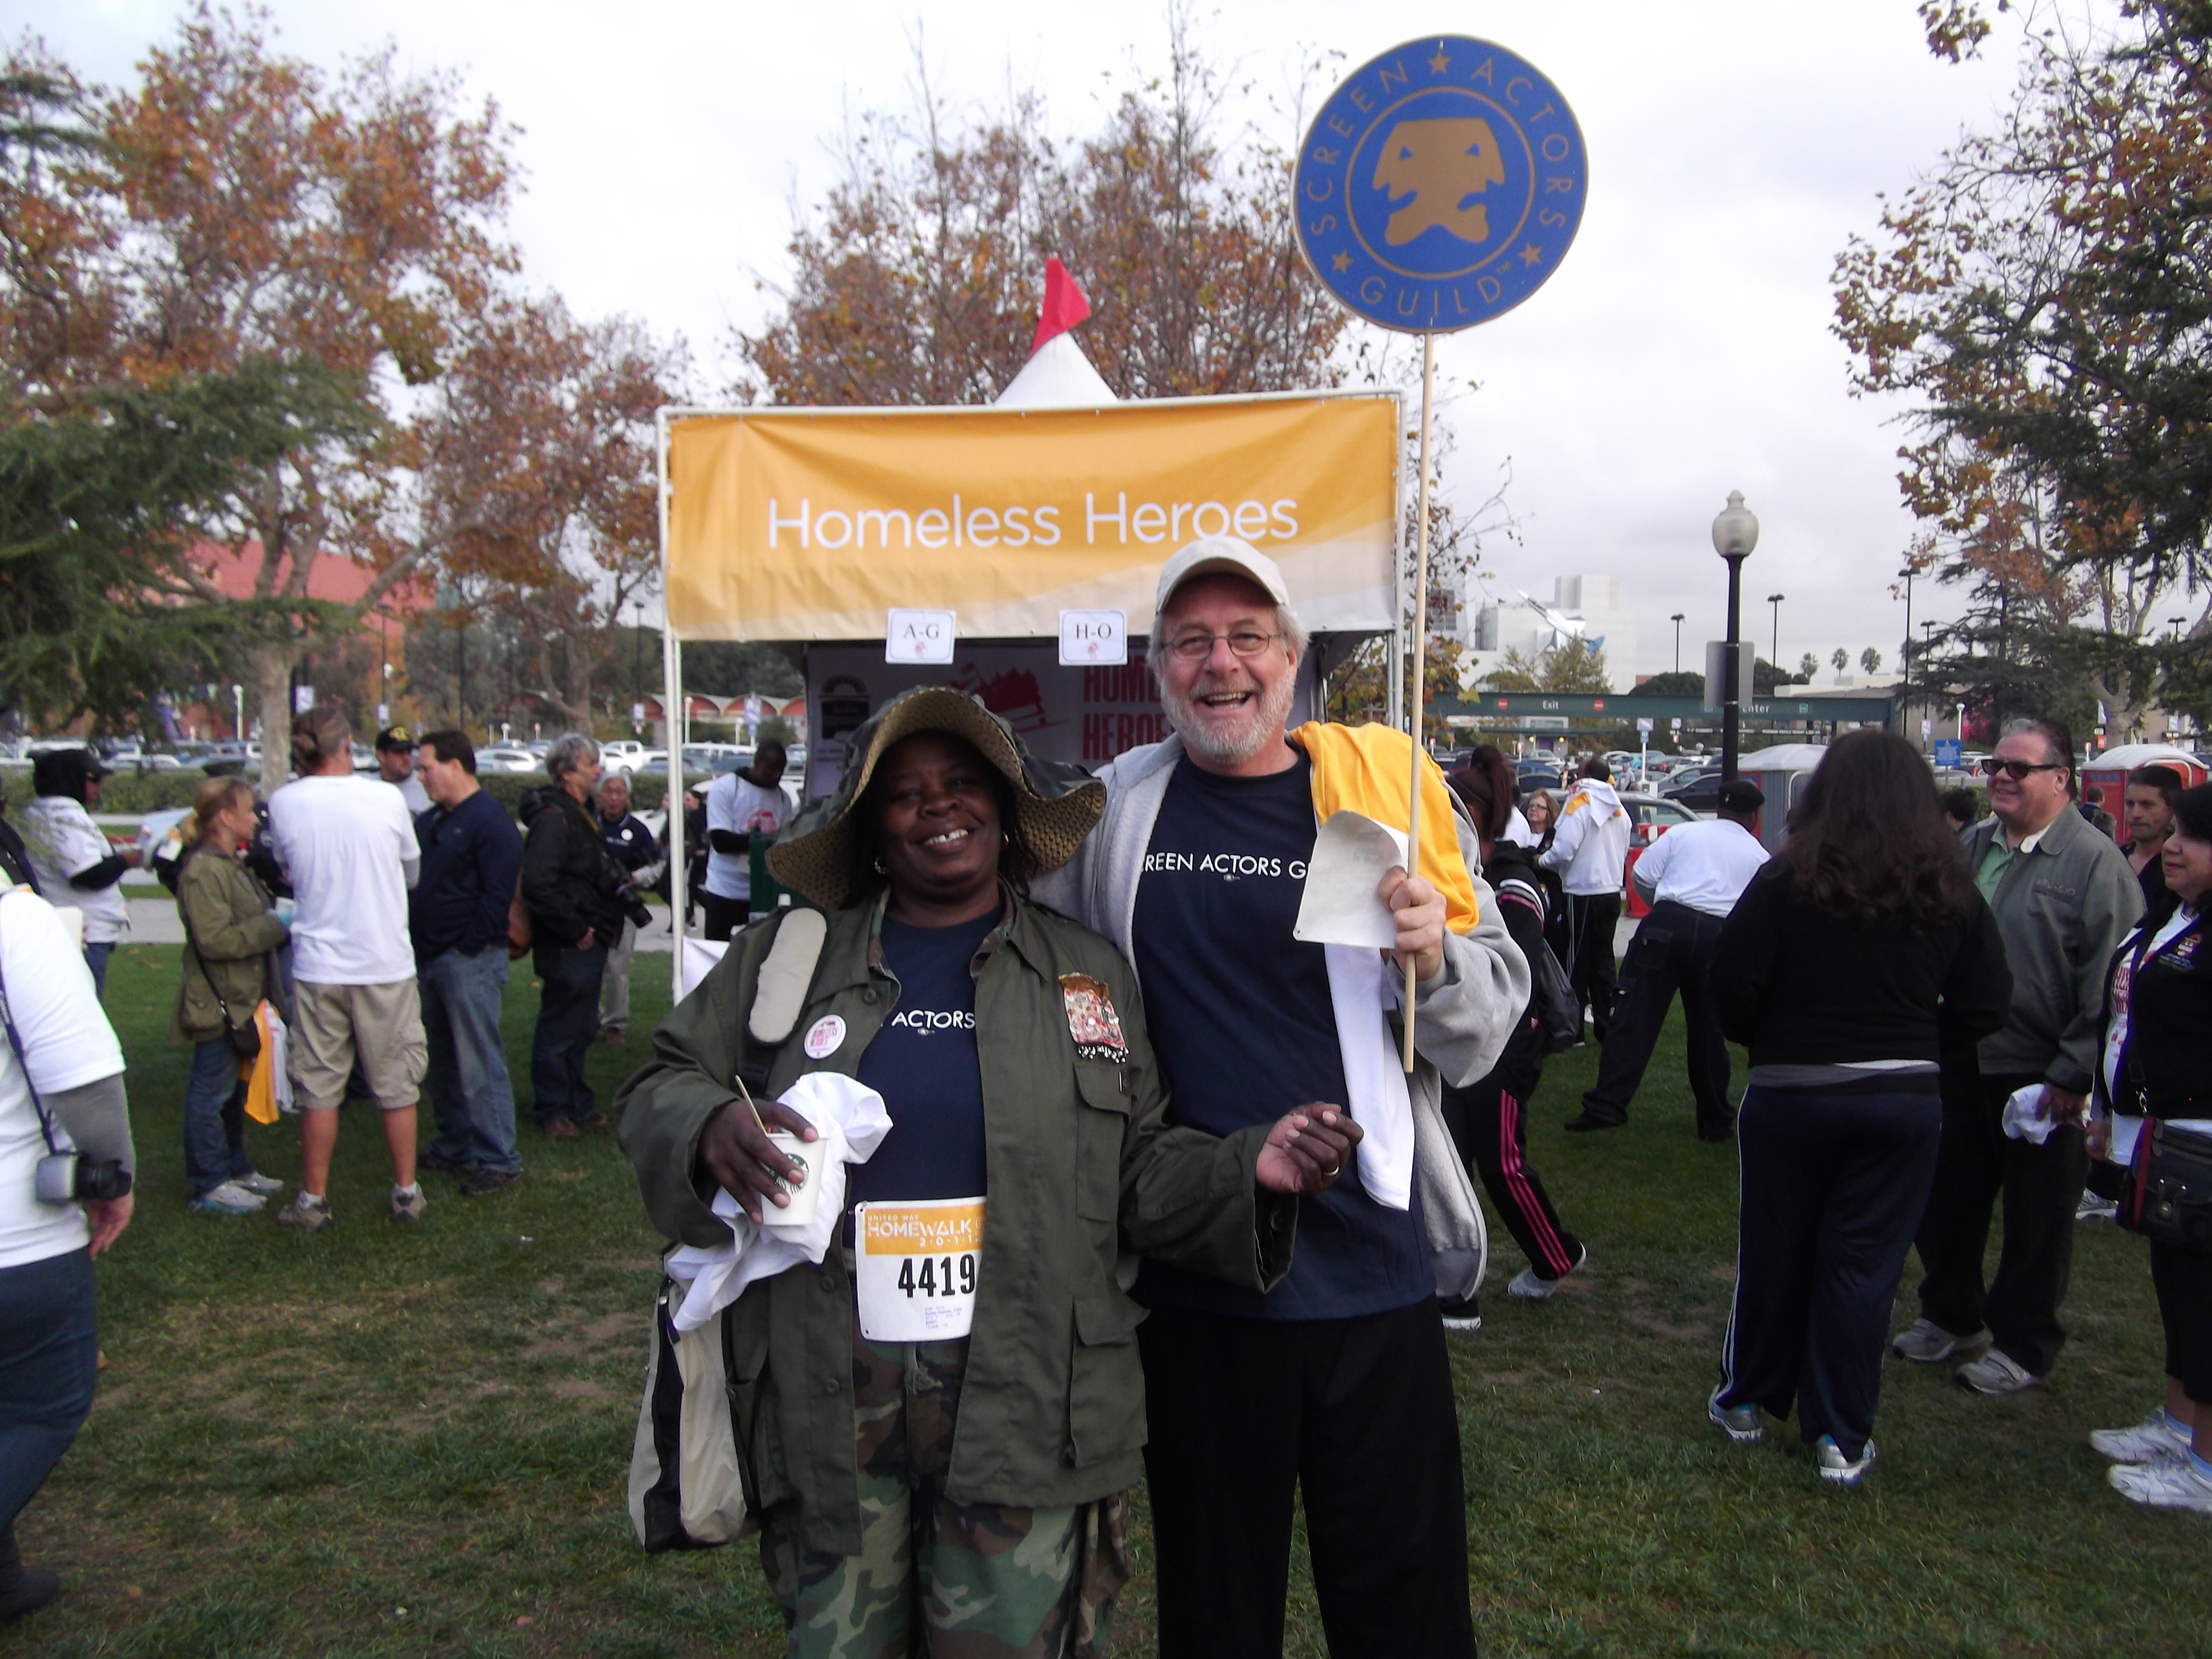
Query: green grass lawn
point(387, 1440)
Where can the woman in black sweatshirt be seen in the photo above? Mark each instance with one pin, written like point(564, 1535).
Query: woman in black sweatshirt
point(1488, 1120)
point(1847, 963)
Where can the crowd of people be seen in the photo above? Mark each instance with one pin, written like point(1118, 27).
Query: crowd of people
point(1216, 1236)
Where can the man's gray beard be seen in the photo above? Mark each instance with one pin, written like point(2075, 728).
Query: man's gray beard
point(1268, 714)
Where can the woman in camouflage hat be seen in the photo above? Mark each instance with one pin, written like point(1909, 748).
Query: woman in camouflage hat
point(940, 1423)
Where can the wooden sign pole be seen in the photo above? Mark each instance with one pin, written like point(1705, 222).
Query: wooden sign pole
point(1420, 655)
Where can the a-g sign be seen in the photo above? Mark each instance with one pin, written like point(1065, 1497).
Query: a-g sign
point(1440, 185)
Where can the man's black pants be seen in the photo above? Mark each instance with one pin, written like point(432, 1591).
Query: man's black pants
point(725, 916)
point(1592, 917)
point(2041, 1186)
point(1833, 1183)
point(1672, 950)
point(1354, 1415)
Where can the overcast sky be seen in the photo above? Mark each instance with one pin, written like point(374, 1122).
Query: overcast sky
point(1682, 351)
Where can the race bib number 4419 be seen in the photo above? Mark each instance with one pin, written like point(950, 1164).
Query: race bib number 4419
point(917, 1266)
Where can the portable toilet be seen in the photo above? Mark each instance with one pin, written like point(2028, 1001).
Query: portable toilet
point(1781, 773)
point(2104, 777)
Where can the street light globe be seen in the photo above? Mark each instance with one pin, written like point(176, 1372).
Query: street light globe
point(1735, 532)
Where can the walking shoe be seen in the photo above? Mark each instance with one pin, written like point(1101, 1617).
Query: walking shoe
point(1926, 1343)
point(409, 1206)
point(1996, 1372)
point(255, 1181)
point(1584, 1123)
point(309, 1215)
point(2156, 1438)
point(2094, 1209)
point(232, 1198)
point(560, 1129)
point(2173, 1483)
point(1744, 1425)
point(1530, 1288)
point(481, 1181)
point(1836, 1469)
point(1461, 1314)
point(442, 1164)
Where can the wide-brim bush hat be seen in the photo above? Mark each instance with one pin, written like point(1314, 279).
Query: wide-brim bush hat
point(1056, 803)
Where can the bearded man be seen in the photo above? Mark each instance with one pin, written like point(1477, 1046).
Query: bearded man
point(1337, 1381)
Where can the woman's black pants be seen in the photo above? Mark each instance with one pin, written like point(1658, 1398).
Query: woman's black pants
point(1833, 1186)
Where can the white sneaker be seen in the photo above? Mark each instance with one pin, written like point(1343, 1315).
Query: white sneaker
point(1529, 1288)
point(254, 1181)
point(1995, 1373)
point(1926, 1343)
point(230, 1199)
point(2154, 1439)
point(1745, 1424)
point(1836, 1469)
point(2094, 1209)
point(2175, 1483)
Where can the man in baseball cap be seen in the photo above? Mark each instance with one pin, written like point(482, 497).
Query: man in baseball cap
point(1338, 1378)
point(1692, 876)
point(395, 764)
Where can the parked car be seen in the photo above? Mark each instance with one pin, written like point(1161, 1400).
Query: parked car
point(1654, 817)
point(507, 760)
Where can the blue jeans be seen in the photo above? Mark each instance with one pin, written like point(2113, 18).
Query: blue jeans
point(215, 1118)
point(95, 957)
point(49, 1359)
point(568, 1020)
point(470, 1090)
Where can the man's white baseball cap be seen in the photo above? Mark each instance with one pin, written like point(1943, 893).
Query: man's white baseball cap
point(1212, 556)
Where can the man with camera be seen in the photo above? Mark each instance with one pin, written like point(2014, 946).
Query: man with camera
point(578, 897)
point(65, 1164)
point(457, 917)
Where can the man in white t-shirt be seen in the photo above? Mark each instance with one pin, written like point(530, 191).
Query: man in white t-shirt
point(76, 867)
point(1692, 876)
point(49, 1332)
point(737, 804)
point(348, 848)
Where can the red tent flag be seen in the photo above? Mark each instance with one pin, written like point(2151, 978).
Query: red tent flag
point(1064, 305)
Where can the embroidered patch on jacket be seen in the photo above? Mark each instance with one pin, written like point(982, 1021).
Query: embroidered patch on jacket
point(1091, 1020)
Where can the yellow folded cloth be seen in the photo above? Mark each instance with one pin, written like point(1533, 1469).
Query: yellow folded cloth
point(1365, 768)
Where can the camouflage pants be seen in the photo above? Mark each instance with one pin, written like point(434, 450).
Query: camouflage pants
point(953, 1581)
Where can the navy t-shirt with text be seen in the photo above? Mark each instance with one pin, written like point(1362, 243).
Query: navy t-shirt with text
point(1242, 1019)
point(923, 1063)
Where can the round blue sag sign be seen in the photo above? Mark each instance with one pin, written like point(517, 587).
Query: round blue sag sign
point(1440, 185)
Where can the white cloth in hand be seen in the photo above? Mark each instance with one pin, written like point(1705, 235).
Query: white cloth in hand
point(852, 1122)
point(2020, 1123)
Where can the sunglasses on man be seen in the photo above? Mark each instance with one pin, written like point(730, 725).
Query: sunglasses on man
point(2017, 770)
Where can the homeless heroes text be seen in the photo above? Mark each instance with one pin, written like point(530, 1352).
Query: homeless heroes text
point(955, 524)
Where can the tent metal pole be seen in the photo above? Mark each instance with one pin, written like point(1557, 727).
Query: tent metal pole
point(672, 683)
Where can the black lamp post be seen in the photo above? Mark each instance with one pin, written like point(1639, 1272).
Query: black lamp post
point(1774, 646)
point(1736, 532)
point(1677, 620)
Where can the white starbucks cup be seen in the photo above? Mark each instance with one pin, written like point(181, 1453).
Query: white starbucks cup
point(805, 1192)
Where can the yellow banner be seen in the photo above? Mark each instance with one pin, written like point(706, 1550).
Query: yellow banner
point(791, 526)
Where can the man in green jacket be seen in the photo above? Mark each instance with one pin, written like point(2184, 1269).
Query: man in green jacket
point(2064, 897)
